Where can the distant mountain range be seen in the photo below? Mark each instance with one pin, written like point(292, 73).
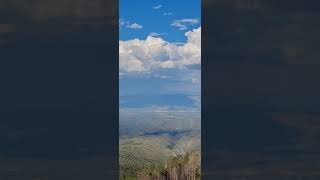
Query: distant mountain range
point(140, 100)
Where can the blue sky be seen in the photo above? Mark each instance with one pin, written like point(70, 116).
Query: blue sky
point(157, 16)
point(160, 52)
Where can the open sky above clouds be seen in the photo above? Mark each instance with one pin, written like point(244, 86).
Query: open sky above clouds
point(160, 53)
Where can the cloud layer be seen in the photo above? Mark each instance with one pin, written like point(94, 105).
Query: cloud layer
point(155, 54)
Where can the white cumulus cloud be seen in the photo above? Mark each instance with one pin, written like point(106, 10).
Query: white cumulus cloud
point(157, 7)
point(123, 23)
point(154, 54)
point(184, 24)
point(135, 26)
point(154, 34)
